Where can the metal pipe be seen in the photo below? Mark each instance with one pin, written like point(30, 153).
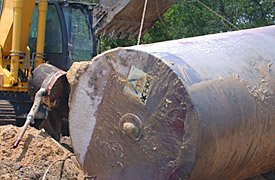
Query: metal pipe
point(42, 9)
point(194, 108)
point(1, 56)
point(16, 36)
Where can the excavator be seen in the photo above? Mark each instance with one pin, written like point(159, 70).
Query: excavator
point(198, 108)
point(59, 33)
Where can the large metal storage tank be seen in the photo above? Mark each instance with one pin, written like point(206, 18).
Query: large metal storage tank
point(194, 108)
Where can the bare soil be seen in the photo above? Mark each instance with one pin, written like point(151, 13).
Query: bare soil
point(35, 153)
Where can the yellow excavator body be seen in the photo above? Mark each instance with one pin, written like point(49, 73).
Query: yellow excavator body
point(24, 36)
point(15, 23)
point(116, 16)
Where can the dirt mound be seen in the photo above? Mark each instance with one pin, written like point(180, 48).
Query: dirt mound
point(35, 153)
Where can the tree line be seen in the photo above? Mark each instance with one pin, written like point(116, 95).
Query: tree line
point(188, 18)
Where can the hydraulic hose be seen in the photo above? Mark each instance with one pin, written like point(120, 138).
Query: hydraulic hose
point(30, 117)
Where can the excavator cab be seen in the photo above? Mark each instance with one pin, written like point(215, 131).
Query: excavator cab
point(69, 36)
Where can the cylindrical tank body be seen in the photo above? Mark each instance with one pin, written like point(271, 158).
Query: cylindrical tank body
point(195, 108)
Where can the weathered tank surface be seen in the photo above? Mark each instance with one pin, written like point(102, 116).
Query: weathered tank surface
point(124, 16)
point(195, 108)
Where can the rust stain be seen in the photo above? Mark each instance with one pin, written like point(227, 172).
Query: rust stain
point(264, 90)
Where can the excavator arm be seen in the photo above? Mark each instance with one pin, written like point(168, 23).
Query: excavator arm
point(15, 23)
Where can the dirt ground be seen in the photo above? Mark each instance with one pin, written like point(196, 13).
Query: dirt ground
point(35, 153)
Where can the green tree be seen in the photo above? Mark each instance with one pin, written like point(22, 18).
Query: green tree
point(188, 18)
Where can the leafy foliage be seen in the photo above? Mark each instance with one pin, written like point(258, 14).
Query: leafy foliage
point(188, 18)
